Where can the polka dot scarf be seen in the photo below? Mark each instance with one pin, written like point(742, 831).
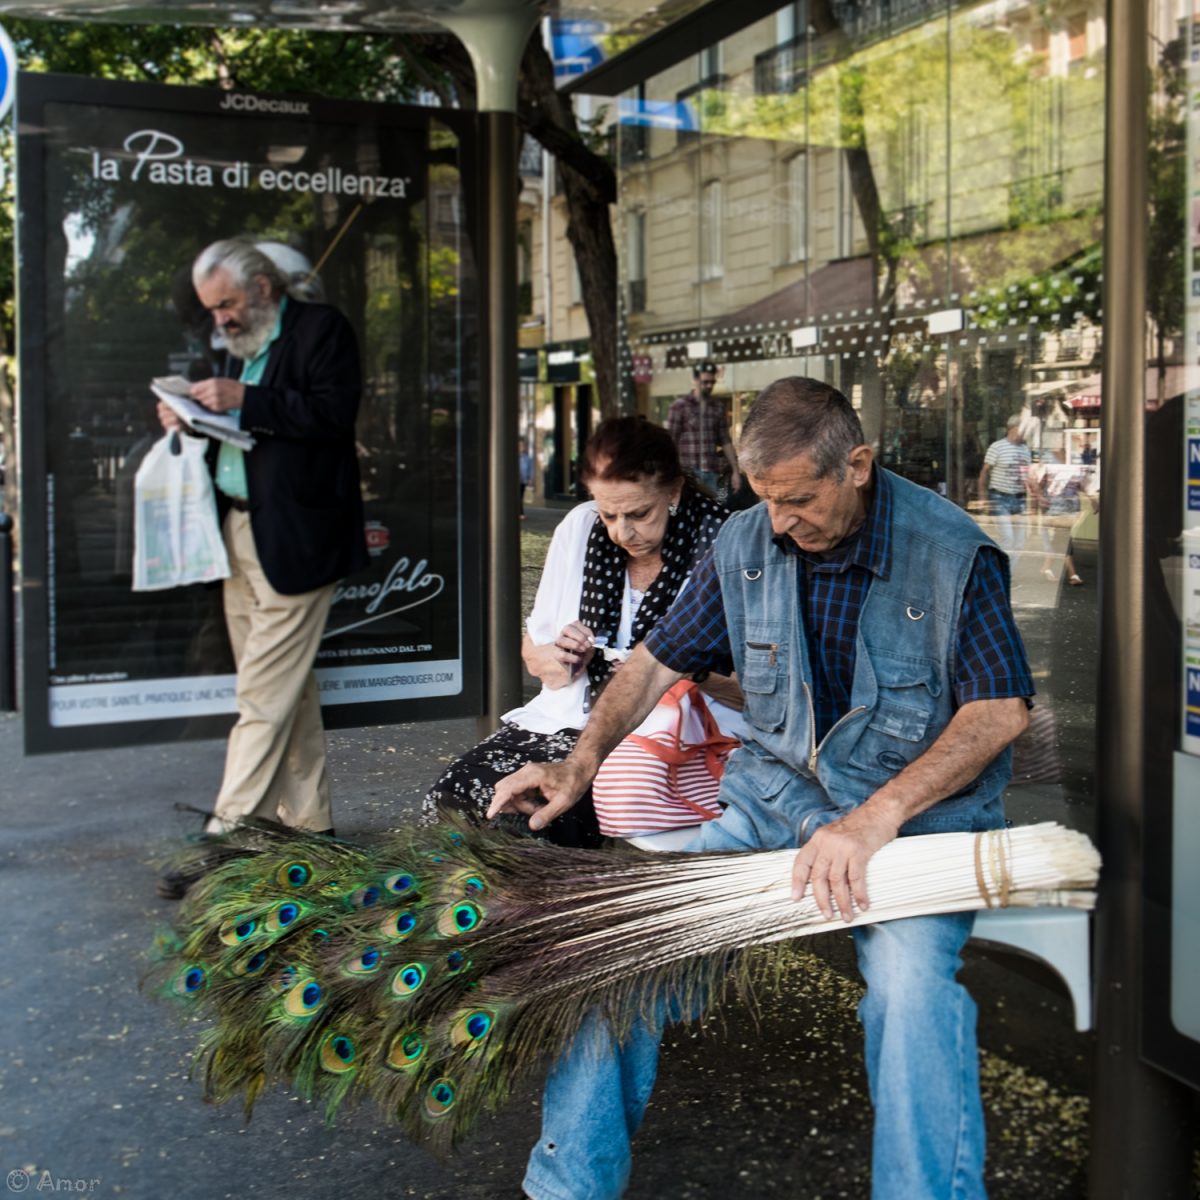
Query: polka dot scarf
point(690, 532)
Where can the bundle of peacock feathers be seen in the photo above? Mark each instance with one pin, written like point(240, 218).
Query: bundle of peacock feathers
point(432, 971)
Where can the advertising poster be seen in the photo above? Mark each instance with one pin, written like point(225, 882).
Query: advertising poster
point(366, 208)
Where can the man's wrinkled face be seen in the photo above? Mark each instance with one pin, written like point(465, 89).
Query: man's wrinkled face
point(245, 316)
point(816, 513)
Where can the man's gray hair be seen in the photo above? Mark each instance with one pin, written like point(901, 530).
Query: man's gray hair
point(795, 416)
point(243, 260)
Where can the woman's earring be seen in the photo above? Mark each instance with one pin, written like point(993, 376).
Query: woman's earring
point(673, 507)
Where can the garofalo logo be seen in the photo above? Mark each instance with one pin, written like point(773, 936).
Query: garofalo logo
point(244, 103)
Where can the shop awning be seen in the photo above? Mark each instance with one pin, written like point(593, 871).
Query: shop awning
point(1085, 393)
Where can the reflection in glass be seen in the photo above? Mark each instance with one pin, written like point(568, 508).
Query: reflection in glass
point(910, 202)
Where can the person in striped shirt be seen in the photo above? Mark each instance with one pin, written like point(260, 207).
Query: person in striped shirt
point(1003, 481)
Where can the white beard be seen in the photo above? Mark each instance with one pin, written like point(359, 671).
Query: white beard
point(260, 322)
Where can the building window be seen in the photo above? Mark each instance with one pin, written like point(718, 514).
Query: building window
point(796, 224)
point(1036, 190)
point(779, 71)
point(907, 211)
point(525, 268)
point(635, 259)
point(712, 247)
point(789, 24)
point(449, 209)
point(846, 208)
point(530, 165)
point(710, 63)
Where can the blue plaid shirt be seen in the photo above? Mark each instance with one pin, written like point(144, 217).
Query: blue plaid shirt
point(990, 662)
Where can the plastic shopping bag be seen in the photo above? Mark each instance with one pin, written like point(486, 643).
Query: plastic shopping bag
point(177, 539)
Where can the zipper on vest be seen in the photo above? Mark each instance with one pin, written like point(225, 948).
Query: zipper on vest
point(812, 727)
point(771, 647)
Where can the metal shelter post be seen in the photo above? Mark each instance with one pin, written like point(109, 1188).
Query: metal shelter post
point(495, 38)
point(1138, 1114)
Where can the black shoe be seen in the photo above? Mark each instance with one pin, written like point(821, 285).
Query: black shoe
point(173, 885)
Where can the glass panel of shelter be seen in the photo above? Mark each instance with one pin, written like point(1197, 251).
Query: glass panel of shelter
point(904, 200)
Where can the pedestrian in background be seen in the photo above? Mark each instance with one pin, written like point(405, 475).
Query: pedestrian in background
point(1003, 482)
point(700, 429)
point(524, 471)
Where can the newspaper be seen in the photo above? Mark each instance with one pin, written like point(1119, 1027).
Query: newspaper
point(175, 391)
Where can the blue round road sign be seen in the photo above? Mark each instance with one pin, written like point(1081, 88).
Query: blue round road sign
point(8, 72)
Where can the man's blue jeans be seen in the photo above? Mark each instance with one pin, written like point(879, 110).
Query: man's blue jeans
point(1009, 533)
point(921, 1055)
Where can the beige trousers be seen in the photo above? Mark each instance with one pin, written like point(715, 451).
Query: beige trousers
point(275, 761)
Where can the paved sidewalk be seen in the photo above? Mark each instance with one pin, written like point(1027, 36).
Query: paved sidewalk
point(93, 1075)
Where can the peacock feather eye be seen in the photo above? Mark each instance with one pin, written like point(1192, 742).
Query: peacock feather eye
point(406, 1050)
point(400, 883)
point(251, 965)
point(469, 884)
point(398, 925)
point(320, 936)
point(233, 933)
point(472, 1027)
point(455, 961)
point(408, 979)
point(459, 918)
point(337, 1054)
point(369, 961)
point(365, 897)
point(284, 915)
point(304, 998)
point(189, 982)
point(439, 1100)
point(294, 874)
point(286, 978)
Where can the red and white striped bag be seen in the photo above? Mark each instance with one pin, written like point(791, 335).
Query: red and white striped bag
point(667, 775)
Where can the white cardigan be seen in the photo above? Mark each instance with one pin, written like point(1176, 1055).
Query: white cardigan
point(557, 604)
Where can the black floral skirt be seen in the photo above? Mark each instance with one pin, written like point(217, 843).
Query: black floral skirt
point(469, 783)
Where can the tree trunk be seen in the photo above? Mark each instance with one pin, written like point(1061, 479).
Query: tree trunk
point(588, 179)
point(590, 189)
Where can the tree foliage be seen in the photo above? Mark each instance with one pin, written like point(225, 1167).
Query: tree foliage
point(376, 68)
point(338, 66)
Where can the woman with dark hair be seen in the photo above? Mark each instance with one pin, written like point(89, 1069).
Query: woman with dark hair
point(613, 569)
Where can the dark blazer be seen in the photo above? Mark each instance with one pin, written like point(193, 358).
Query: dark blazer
point(306, 507)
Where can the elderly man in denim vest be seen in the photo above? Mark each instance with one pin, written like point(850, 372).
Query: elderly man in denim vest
point(869, 623)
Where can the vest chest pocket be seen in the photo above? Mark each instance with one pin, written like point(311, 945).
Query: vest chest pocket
point(899, 727)
point(899, 721)
point(764, 685)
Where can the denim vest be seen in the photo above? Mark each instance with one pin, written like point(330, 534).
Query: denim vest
point(902, 695)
